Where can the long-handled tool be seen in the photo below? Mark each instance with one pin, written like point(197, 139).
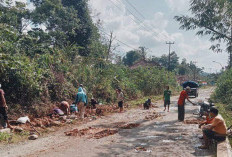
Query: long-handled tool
point(33, 127)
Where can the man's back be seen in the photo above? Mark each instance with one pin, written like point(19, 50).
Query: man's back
point(219, 125)
point(183, 96)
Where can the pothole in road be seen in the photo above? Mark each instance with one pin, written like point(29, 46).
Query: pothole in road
point(142, 149)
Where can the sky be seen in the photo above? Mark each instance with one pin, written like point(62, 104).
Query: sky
point(150, 23)
point(152, 26)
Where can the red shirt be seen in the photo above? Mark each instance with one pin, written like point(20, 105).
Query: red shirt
point(183, 96)
point(209, 120)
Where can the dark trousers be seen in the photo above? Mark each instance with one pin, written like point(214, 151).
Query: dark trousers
point(181, 113)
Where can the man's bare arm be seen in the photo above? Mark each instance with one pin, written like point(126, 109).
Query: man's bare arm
point(3, 99)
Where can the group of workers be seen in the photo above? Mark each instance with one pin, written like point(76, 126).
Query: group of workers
point(213, 128)
point(81, 102)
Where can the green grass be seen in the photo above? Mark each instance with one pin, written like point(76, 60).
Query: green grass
point(137, 102)
point(227, 115)
point(6, 138)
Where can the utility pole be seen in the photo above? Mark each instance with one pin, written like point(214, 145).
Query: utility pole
point(169, 54)
point(230, 48)
point(194, 71)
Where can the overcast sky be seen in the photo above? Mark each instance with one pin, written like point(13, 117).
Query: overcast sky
point(152, 27)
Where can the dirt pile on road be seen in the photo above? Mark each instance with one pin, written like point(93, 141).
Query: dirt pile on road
point(129, 126)
point(193, 121)
point(104, 133)
point(92, 132)
point(153, 116)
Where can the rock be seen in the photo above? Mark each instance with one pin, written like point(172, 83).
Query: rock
point(6, 130)
point(63, 118)
point(23, 120)
point(55, 123)
point(72, 117)
point(33, 137)
point(18, 129)
point(69, 121)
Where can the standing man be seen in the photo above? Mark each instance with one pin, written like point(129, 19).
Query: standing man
point(120, 98)
point(181, 103)
point(84, 90)
point(4, 108)
point(166, 97)
point(81, 101)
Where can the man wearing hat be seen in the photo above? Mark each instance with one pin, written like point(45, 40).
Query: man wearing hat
point(181, 103)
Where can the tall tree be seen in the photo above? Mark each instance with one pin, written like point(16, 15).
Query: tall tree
point(60, 22)
point(163, 61)
point(87, 32)
point(212, 18)
point(131, 57)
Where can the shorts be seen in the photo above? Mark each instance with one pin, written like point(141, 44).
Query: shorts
point(93, 106)
point(166, 102)
point(3, 113)
point(213, 135)
point(120, 104)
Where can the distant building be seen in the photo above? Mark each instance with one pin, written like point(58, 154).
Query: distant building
point(145, 63)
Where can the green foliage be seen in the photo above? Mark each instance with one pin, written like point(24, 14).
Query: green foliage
point(4, 137)
point(40, 67)
point(210, 18)
point(131, 57)
point(163, 61)
point(223, 92)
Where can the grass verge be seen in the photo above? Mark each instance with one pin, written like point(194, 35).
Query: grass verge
point(227, 115)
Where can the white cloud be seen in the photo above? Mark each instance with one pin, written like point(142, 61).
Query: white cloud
point(178, 5)
point(155, 31)
point(126, 27)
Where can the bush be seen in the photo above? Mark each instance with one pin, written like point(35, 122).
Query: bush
point(223, 92)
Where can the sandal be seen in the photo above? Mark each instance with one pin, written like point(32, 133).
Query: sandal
point(203, 147)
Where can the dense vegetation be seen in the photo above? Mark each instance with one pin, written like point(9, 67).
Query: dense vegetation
point(47, 51)
point(223, 92)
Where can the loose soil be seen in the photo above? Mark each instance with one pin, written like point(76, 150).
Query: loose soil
point(159, 137)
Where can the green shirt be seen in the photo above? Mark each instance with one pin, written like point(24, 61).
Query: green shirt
point(167, 94)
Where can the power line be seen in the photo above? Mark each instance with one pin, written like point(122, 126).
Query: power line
point(119, 40)
point(139, 21)
point(135, 9)
point(141, 15)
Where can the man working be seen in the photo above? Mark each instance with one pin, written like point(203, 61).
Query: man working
point(120, 98)
point(81, 101)
point(4, 108)
point(208, 120)
point(181, 103)
point(166, 97)
point(64, 106)
point(216, 130)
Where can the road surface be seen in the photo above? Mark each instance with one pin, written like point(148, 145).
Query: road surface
point(161, 137)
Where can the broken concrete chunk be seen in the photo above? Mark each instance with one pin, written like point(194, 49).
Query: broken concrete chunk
point(23, 120)
point(33, 137)
point(55, 123)
point(18, 129)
